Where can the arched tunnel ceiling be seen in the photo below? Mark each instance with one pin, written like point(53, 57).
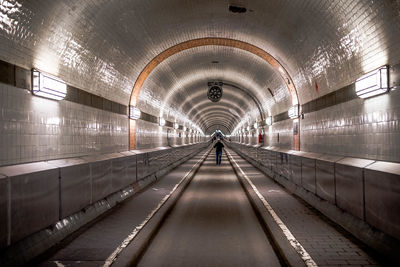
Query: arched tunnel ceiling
point(102, 46)
point(180, 84)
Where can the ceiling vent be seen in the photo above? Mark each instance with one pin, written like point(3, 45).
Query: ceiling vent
point(237, 9)
point(214, 91)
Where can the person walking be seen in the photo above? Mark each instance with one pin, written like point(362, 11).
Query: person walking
point(218, 150)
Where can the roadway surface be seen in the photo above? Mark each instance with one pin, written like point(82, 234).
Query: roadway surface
point(212, 224)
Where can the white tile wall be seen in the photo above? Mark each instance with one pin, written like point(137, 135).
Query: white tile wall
point(359, 128)
point(285, 130)
point(328, 42)
point(150, 135)
point(34, 128)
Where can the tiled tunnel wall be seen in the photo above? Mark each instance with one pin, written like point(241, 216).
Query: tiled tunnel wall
point(33, 128)
point(356, 36)
point(359, 128)
point(363, 128)
point(150, 135)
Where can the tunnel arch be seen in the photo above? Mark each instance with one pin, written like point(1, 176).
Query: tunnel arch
point(207, 41)
point(215, 127)
point(222, 119)
point(216, 113)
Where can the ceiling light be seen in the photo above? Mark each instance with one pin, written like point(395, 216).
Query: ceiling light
point(268, 120)
point(294, 112)
point(373, 83)
point(48, 86)
point(162, 121)
point(134, 113)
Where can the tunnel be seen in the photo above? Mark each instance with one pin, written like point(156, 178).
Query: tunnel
point(114, 116)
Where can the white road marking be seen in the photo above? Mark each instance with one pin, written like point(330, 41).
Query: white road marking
point(274, 191)
point(59, 264)
point(110, 260)
point(292, 240)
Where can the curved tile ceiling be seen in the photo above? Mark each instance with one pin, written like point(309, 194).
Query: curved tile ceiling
point(102, 46)
point(179, 84)
point(112, 41)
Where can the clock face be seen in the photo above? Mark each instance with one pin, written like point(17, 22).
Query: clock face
point(214, 93)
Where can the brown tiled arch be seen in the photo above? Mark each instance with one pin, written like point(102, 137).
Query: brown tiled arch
point(205, 42)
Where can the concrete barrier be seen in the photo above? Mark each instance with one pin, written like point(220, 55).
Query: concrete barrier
point(361, 195)
point(119, 170)
point(75, 185)
point(101, 176)
point(3, 210)
point(382, 196)
point(42, 203)
point(308, 170)
point(282, 162)
point(141, 163)
point(34, 196)
point(131, 165)
point(349, 176)
point(325, 177)
point(295, 166)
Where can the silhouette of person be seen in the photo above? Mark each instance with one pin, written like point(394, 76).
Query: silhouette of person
point(218, 150)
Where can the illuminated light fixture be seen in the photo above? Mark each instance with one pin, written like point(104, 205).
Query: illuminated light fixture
point(294, 112)
point(134, 113)
point(255, 125)
point(162, 121)
point(268, 120)
point(248, 128)
point(373, 83)
point(176, 125)
point(48, 86)
point(184, 128)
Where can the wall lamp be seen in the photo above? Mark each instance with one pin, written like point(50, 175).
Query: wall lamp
point(294, 112)
point(373, 83)
point(268, 120)
point(48, 86)
point(161, 121)
point(134, 113)
point(176, 125)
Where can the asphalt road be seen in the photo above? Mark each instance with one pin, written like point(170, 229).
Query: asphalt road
point(212, 224)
